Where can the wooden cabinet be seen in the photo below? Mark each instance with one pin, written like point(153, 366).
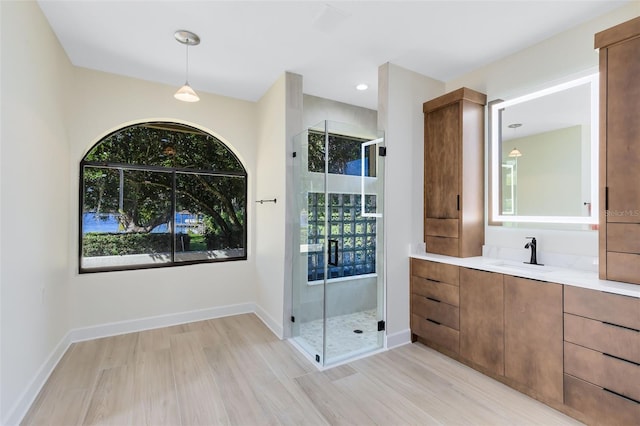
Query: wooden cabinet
point(620, 152)
point(533, 344)
point(434, 304)
point(454, 173)
point(602, 355)
point(482, 319)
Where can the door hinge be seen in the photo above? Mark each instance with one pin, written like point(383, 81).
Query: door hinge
point(293, 319)
point(294, 154)
point(381, 325)
point(382, 151)
point(317, 358)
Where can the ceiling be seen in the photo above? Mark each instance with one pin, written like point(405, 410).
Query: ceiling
point(246, 46)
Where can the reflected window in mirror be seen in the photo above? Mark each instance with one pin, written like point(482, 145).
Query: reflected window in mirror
point(544, 156)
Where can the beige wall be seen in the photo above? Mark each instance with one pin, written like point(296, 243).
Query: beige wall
point(105, 102)
point(401, 94)
point(34, 178)
point(52, 113)
point(549, 173)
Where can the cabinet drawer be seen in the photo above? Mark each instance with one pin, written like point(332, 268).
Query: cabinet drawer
point(623, 267)
point(440, 312)
point(607, 338)
point(623, 237)
point(443, 245)
point(441, 227)
point(439, 291)
point(599, 405)
point(439, 334)
point(435, 271)
point(613, 308)
point(611, 373)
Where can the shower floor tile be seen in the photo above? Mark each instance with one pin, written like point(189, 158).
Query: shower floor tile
point(342, 341)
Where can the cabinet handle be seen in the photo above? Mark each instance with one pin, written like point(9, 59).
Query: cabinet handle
point(619, 359)
point(435, 322)
point(620, 395)
point(606, 198)
point(619, 326)
point(432, 299)
point(432, 280)
point(458, 202)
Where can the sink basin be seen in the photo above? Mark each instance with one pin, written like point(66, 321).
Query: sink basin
point(511, 266)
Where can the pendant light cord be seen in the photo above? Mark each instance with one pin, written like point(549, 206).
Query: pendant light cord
point(187, 67)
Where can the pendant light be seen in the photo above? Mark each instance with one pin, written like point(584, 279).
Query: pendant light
point(186, 93)
point(515, 152)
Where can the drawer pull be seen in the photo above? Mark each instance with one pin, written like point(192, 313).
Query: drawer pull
point(619, 326)
point(620, 395)
point(433, 300)
point(435, 322)
point(620, 359)
point(432, 280)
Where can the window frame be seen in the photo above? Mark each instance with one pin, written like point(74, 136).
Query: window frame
point(174, 171)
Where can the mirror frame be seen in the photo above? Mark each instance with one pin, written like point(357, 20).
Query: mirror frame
point(495, 169)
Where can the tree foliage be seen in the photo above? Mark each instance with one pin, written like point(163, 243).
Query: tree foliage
point(133, 172)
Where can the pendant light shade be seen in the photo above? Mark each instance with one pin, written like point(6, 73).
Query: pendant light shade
point(186, 93)
point(515, 152)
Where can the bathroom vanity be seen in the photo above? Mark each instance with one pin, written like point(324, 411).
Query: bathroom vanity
point(567, 337)
point(561, 336)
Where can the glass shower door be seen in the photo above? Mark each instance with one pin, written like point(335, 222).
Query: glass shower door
point(338, 283)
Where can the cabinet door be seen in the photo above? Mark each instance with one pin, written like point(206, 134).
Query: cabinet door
point(623, 131)
point(533, 335)
point(482, 319)
point(442, 152)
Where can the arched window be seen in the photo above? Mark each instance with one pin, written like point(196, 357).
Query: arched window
point(161, 194)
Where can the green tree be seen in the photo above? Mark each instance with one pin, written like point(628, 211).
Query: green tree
point(131, 172)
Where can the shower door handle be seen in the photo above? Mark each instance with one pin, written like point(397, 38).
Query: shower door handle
point(333, 253)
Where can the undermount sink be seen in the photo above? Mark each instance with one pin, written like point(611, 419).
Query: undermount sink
point(520, 267)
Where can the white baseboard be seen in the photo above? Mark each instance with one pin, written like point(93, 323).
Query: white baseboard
point(27, 398)
point(275, 327)
point(398, 339)
point(131, 326)
point(19, 410)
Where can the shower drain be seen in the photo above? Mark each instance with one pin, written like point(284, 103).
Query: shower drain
point(357, 331)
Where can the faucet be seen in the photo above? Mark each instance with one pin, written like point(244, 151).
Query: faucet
point(533, 245)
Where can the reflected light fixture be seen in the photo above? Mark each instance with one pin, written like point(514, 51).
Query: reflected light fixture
point(362, 86)
point(515, 152)
point(186, 93)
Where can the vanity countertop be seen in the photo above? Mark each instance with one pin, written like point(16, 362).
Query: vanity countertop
point(574, 277)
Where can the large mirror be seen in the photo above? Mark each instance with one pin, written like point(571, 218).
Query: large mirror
point(544, 156)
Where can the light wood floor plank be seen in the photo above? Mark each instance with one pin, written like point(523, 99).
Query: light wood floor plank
point(338, 407)
point(199, 397)
point(111, 402)
point(154, 393)
point(234, 371)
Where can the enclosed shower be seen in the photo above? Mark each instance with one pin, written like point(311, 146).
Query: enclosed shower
point(338, 257)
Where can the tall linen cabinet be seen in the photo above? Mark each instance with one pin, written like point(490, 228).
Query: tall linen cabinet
point(454, 173)
point(620, 151)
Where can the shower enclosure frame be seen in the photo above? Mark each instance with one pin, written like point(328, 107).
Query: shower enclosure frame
point(345, 197)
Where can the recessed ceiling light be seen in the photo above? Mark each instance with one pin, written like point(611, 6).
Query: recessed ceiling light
point(362, 86)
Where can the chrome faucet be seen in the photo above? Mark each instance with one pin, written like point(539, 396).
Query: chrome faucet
point(533, 245)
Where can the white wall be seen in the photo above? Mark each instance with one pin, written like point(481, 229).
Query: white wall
point(52, 113)
point(34, 178)
point(318, 109)
point(559, 58)
point(401, 94)
point(104, 102)
point(273, 268)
